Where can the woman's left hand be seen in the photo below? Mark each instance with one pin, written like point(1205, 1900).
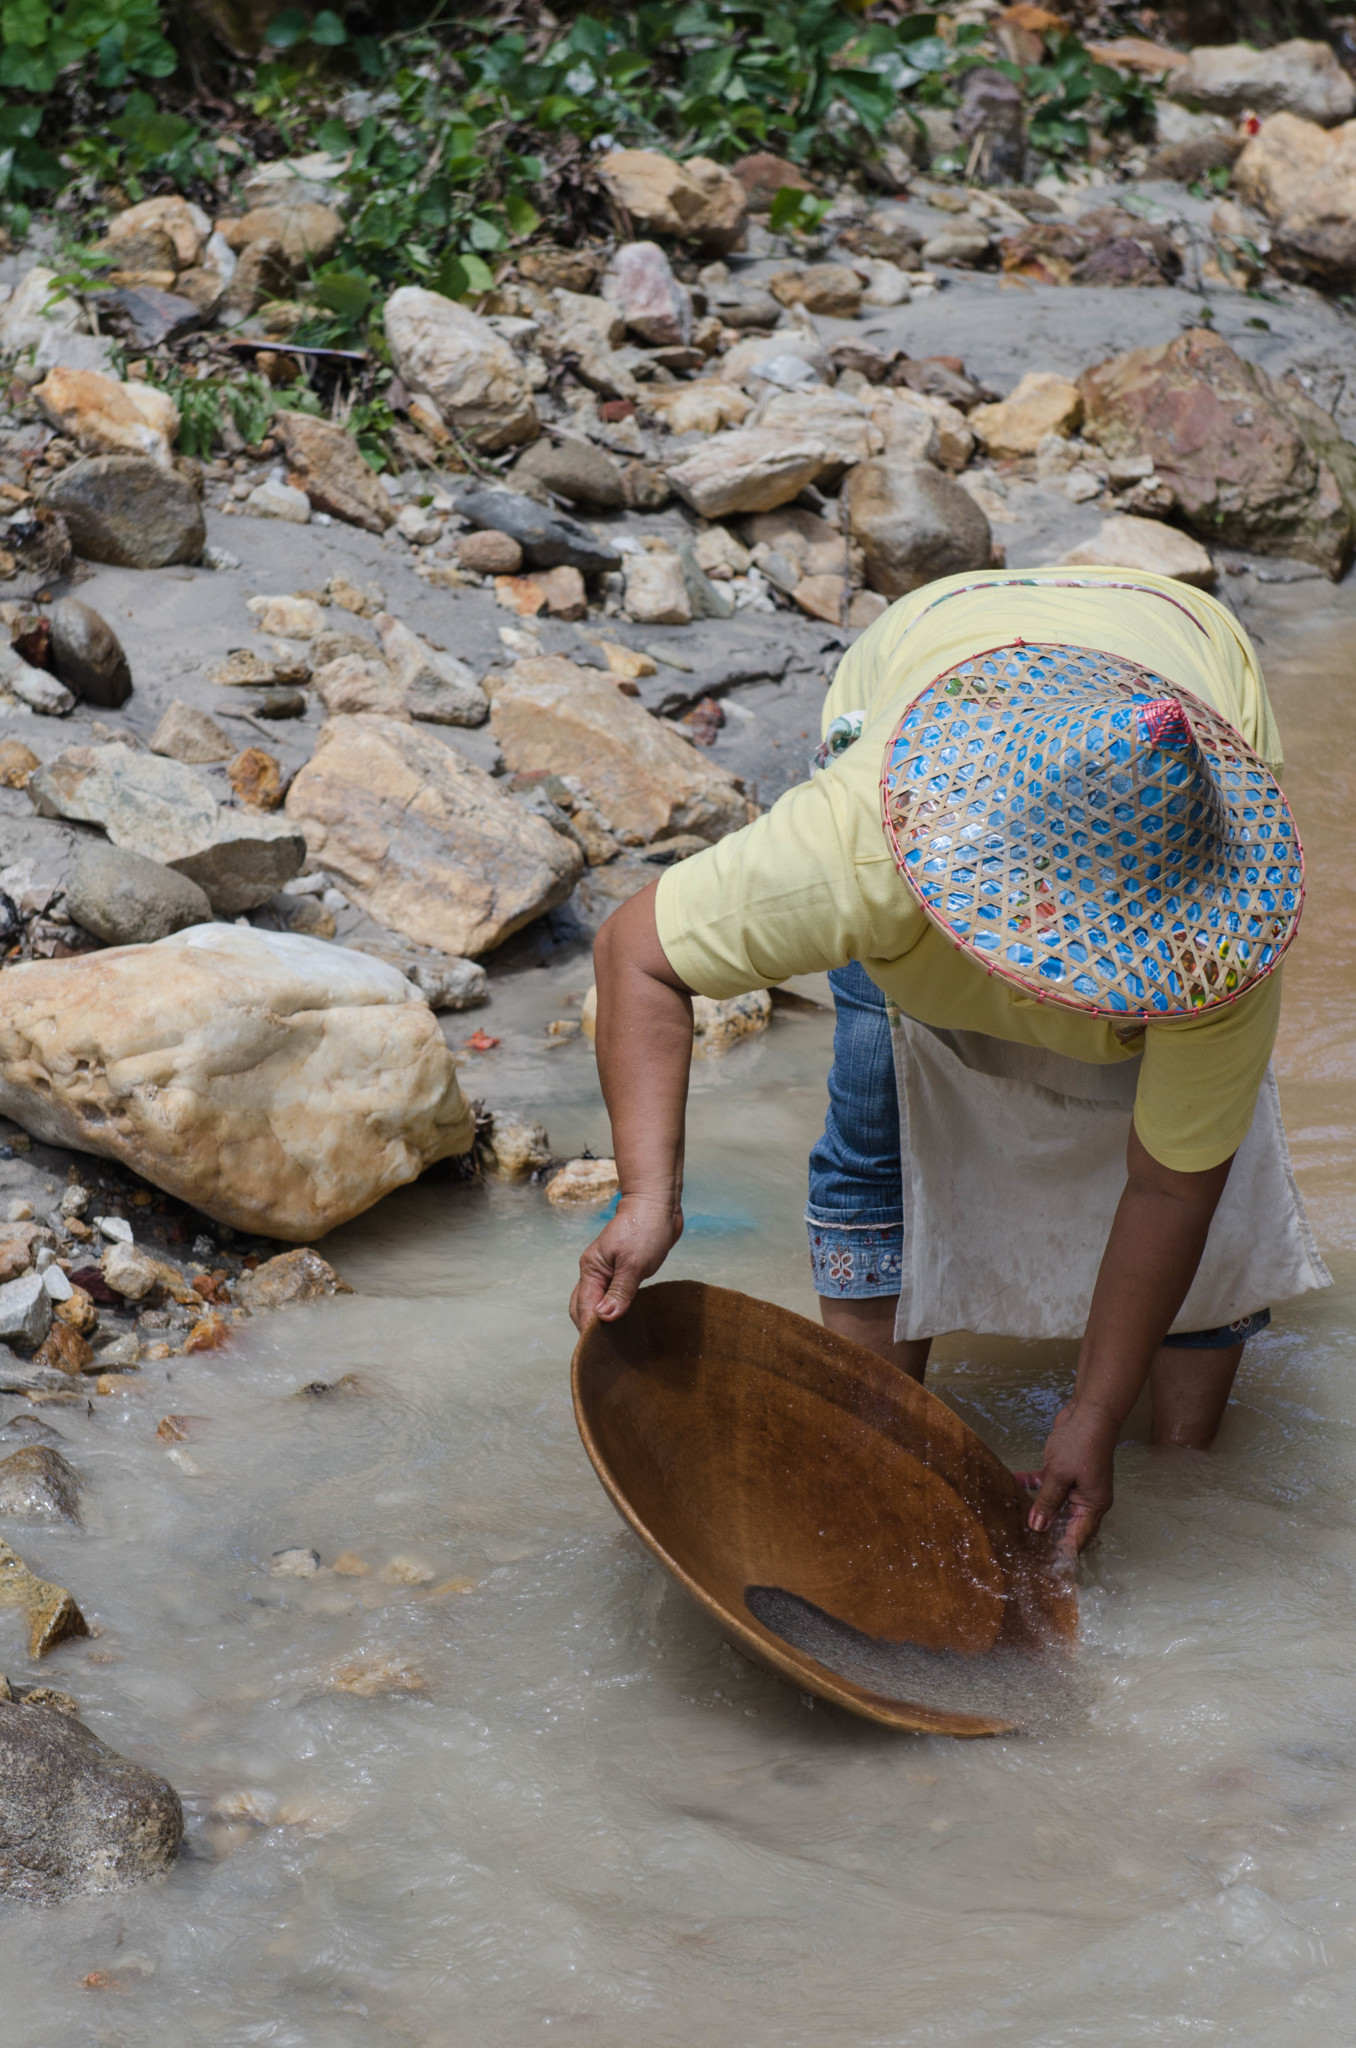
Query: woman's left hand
point(1076, 1474)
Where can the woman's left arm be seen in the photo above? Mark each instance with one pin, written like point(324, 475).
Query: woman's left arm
point(1147, 1268)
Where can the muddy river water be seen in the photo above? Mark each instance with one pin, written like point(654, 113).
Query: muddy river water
point(559, 1807)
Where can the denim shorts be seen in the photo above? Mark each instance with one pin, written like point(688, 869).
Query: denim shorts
point(855, 1214)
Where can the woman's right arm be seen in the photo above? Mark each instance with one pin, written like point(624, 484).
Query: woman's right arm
point(644, 1046)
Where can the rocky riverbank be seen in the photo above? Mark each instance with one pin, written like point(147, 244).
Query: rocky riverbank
point(302, 760)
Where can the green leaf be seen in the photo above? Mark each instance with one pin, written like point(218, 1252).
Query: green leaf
point(555, 108)
point(19, 124)
point(26, 70)
point(26, 22)
point(328, 30)
point(345, 292)
point(795, 210)
point(484, 234)
point(589, 38)
point(334, 137)
point(287, 29)
point(626, 65)
point(154, 134)
point(522, 217)
point(869, 96)
point(458, 277)
point(35, 170)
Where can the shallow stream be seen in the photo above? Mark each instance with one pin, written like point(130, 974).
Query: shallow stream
point(558, 1806)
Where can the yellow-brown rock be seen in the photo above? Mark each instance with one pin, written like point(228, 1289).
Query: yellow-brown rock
point(549, 714)
point(256, 777)
point(50, 1610)
point(104, 417)
point(450, 357)
point(697, 200)
point(1303, 178)
point(422, 840)
point(278, 1083)
point(186, 225)
point(306, 233)
point(1041, 404)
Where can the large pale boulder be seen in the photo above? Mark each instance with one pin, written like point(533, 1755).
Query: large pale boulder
point(1303, 178)
point(749, 470)
point(1242, 468)
point(1140, 544)
point(913, 524)
point(1297, 77)
point(277, 1082)
point(456, 362)
point(165, 810)
point(549, 714)
point(1041, 404)
point(697, 201)
point(104, 417)
point(327, 463)
point(423, 841)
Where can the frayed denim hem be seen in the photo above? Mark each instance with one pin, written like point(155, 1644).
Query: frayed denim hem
point(856, 1262)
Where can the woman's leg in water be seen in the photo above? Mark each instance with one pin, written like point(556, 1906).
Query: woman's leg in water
point(1192, 1377)
point(1190, 1391)
point(855, 1212)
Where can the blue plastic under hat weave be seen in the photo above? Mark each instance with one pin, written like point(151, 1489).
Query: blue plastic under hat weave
point(1097, 836)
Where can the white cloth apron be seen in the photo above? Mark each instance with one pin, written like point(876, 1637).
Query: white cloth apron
point(1013, 1165)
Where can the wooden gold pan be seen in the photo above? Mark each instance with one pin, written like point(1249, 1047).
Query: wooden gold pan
point(755, 1452)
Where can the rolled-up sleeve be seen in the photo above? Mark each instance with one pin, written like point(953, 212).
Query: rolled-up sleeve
point(784, 896)
point(1199, 1080)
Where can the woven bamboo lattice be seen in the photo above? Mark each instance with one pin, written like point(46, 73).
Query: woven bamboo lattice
point(1095, 835)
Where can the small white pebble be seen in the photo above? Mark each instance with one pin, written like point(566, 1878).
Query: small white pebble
point(297, 1563)
point(115, 1228)
point(58, 1286)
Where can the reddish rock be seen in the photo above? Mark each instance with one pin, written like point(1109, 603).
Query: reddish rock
point(657, 308)
point(328, 465)
point(1108, 246)
point(764, 175)
point(256, 778)
point(1242, 459)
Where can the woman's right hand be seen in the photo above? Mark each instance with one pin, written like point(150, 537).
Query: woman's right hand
point(634, 1244)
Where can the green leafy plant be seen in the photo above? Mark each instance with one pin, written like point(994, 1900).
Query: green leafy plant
point(796, 212)
point(119, 38)
point(1070, 90)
